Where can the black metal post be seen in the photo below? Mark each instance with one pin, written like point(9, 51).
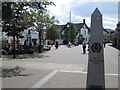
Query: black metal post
point(14, 56)
point(40, 48)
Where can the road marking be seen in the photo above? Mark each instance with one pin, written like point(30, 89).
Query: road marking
point(70, 71)
point(50, 75)
point(110, 74)
point(44, 80)
point(107, 74)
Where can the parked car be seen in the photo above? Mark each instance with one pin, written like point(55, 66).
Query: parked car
point(47, 45)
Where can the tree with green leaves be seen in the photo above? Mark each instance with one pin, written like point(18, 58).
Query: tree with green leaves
point(41, 20)
point(21, 17)
point(11, 13)
point(72, 33)
point(69, 33)
point(53, 33)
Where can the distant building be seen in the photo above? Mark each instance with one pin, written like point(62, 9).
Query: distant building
point(6, 39)
point(107, 34)
point(116, 36)
point(108, 31)
point(81, 29)
point(83, 32)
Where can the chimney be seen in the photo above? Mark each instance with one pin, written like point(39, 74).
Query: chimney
point(84, 21)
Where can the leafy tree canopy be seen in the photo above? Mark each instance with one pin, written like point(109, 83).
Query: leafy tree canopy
point(18, 14)
point(53, 33)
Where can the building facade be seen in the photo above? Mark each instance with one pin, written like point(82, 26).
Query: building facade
point(81, 29)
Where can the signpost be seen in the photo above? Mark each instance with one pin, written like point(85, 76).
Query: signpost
point(96, 74)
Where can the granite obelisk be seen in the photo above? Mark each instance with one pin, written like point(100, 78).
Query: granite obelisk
point(96, 74)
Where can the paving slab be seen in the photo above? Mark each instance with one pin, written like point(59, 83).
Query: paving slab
point(27, 78)
point(66, 59)
point(76, 80)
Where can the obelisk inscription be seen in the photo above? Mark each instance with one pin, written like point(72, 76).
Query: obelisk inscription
point(95, 75)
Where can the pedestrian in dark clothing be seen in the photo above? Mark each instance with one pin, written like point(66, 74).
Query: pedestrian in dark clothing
point(34, 43)
point(104, 43)
point(64, 42)
point(56, 45)
point(88, 47)
point(25, 43)
point(84, 47)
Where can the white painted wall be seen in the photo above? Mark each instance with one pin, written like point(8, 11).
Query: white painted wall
point(34, 36)
point(85, 33)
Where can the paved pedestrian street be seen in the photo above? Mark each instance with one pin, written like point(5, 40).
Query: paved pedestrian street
point(58, 68)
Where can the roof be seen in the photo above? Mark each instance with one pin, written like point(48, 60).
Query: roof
point(60, 27)
point(105, 30)
point(116, 33)
point(77, 26)
point(109, 31)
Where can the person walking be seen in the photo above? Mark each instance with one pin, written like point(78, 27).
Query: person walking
point(84, 47)
point(104, 43)
point(56, 45)
point(69, 44)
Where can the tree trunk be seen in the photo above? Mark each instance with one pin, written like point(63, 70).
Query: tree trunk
point(40, 45)
point(14, 56)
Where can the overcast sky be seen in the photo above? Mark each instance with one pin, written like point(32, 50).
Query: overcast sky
point(82, 9)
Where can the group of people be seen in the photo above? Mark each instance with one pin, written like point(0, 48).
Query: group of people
point(83, 46)
point(57, 44)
